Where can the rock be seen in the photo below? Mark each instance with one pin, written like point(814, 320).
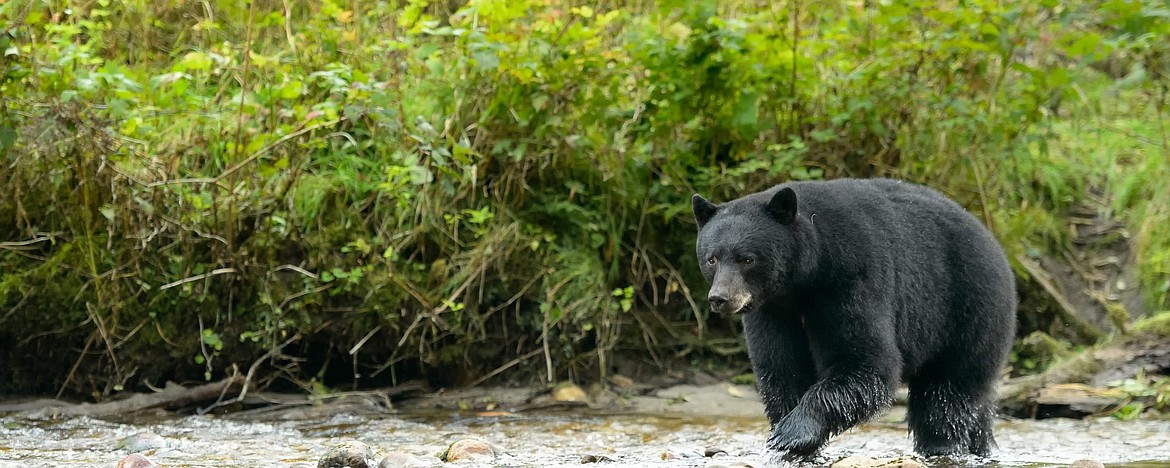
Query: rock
point(350, 454)
point(402, 460)
point(568, 391)
point(858, 461)
point(469, 449)
point(142, 441)
point(595, 459)
point(713, 451)
point(621, 381)
point(136, 460)
point(1086, 464)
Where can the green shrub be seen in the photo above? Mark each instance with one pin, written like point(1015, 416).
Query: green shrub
point(394, 189)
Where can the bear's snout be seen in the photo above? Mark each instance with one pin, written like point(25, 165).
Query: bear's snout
point(727, 304)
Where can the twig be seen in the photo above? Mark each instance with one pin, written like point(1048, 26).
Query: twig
point(296, 269)
point(505, 367)
point(217, 271)
point(302, 294)
point(76, 364)
point(101, 328)
point(288, 28)
point(363, 341)
point(252, 157)
point(25, 244)
point(248, 378)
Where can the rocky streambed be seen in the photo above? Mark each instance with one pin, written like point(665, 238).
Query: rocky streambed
point(685, 425)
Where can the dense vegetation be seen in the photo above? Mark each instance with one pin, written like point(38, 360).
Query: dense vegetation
point(363, 192)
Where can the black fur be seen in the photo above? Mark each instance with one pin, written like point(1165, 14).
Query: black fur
point(847, 288)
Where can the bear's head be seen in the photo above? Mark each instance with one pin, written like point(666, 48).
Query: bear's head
point(750, 250)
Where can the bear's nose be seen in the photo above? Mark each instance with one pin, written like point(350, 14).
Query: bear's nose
point(717, 300)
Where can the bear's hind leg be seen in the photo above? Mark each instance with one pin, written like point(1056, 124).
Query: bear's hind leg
point(942, 416)
point(980, 436)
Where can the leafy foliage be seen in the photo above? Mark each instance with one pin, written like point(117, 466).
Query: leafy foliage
point(408, 187)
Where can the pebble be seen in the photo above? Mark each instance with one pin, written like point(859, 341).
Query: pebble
point(136, 460)
point(713, 451)
point(595, 459)
point(469, 449)
point(1086, 463)
point(350, 454)
point(142, 441)
point(402, 460)
point(681, 453)
point(568, 391)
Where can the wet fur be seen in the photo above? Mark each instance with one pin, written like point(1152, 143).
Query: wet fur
point(872, 283)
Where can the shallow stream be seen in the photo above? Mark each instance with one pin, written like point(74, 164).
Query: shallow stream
point(549, 439)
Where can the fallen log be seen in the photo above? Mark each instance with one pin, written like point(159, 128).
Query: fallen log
point(171, 396)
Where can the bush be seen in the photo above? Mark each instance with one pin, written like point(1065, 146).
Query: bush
point(360, 193)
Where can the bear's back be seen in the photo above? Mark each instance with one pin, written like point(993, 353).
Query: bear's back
point(930, 262)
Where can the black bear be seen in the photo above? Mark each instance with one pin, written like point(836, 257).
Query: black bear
point(847, 288)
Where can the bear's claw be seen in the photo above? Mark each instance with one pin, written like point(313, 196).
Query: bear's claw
point(795, 444)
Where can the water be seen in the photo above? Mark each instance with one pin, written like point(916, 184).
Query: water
point(545, 439)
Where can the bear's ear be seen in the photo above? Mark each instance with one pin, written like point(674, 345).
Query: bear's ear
point(782, 206)
point(703, 209)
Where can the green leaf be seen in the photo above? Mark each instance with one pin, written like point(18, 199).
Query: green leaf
point(485, 60)
point(292, 89)
point(746, 112)
point(7, 137)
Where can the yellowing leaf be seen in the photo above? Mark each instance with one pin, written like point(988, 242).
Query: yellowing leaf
point(195, 61)
point(259, 60)
point(344, 16)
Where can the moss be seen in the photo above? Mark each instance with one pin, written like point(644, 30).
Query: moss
point(1118, 315)
point(1037, 351)
point(1157, 324)
point(744, 379)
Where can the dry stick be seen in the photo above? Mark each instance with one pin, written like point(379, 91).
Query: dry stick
point(505, 367)
point(231, 217)
point(217, 271)
point(101, 328)
point(288, 28)
point(248, 378)
point(363, 341)
point(24, 245)
point(302, 294)
point(548, 365)
point(792, 86)
point(76, 364)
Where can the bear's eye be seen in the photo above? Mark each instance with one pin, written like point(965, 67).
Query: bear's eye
point(748, 261)
point(710, 260)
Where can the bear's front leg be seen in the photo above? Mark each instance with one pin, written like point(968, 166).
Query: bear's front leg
point(780, 357)
point(848, 394)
